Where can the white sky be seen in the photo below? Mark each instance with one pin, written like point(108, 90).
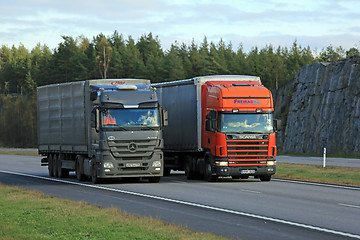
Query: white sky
point(314, 23)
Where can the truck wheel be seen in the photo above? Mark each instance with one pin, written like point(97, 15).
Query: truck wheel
point(189, 171)
point(50, 165)
point(154, 179)
point(94, 177)
point(79, 175)
point(208, 173)
point(265, 178)
point(167, 171)
point(62, 173)
point(55, 165)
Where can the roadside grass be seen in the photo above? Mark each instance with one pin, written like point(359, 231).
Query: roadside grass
point(20, 152)
point(31, 215)
point(329, 174)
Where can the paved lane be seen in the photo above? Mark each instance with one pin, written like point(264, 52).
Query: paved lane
point(250, 209)
point(338, 162)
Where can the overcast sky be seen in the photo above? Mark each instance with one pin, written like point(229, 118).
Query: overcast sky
point(314, 23)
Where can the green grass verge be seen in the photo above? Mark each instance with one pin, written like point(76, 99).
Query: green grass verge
point(20, 152)
point(338, 175)
point(31, 215)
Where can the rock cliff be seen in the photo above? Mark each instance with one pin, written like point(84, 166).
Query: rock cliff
point(320, 108)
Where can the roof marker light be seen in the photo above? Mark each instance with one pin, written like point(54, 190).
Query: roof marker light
point(126, 87)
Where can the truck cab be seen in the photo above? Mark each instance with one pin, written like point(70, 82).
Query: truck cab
point(238, 130)
point(126, 128)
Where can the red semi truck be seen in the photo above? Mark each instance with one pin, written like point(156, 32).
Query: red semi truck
point(219, 126)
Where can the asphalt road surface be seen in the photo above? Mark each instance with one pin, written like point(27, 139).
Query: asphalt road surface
point(247, 209)
point(338, 162)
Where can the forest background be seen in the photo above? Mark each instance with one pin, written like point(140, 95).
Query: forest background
point(21, 70)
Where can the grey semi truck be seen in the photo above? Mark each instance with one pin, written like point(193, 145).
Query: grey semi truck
point(101, 129)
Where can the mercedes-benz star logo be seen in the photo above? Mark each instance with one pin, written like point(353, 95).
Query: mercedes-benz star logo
point(132, 147)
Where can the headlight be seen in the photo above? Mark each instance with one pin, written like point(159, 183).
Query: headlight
point(271, 163)
point(222, 164)
point(156, 164)
point(108, 165)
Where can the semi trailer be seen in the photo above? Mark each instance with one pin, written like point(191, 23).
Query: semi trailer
point(101, 129)
point(219, 126)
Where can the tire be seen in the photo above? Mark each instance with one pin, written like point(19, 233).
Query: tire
point(55, 165)
point(189, 171)
point(265, 178)
point(50, 165)
point(208, 173)
point(154, 179)
point(62, 173)
point(79, 175)
point(94, 177)
point(167, 171)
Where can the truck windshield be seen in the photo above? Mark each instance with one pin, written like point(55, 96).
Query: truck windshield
point(246, 123)
point(122, 118)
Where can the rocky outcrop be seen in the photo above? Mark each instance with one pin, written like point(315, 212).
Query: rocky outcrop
point(320, 108)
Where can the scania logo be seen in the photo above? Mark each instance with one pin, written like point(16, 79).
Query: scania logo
point(132, 147)
point(247, 137)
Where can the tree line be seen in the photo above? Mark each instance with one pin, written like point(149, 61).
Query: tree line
point(74, 59)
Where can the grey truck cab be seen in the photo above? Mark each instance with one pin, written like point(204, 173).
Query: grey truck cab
point(120, 134)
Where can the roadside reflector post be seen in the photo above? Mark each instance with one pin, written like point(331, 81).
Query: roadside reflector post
point(324, 162)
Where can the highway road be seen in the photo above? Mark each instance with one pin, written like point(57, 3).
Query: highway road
point(338, 162)
point(247, 209)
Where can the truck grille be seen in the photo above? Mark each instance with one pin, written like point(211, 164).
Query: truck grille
point(132, 150)
point(247, 152)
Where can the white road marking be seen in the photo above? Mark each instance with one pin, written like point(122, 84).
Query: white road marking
point(348, 205)
point(176, 181)
point(249, 191)
point(317, 184)
point(193, 205)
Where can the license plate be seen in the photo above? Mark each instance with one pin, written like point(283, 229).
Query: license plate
point(247, 171)
point(133, 165)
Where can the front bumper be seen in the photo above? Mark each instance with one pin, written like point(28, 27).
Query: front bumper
point(245, 171)
point(130, 168)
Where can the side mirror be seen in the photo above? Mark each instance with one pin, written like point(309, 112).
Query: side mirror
point(93, 95)
point(165, 117)
point(277, 125)
point(208, 125)
point(211, 115)
point(94, 123)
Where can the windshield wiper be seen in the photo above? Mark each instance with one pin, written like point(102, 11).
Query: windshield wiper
point(248, 132)
point(116, 128)
point(144, 126)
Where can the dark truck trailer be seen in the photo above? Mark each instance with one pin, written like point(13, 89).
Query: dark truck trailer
point(101, 129)
point(197, 139)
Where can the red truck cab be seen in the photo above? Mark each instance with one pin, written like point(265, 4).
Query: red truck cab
point(238, 130)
